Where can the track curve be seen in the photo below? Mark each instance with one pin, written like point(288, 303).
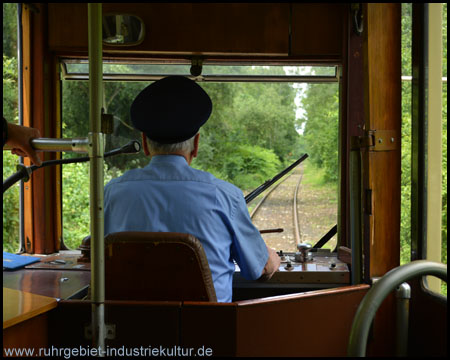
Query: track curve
point(278, 208)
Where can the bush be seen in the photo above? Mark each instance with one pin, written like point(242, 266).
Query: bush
point(247, 166)
point(76, 214)
point(10, 206)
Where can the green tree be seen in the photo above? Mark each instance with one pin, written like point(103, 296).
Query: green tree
point(76, 215)
point(10, 112)
point(321, 119)
point(10, 29)
point(405, 218)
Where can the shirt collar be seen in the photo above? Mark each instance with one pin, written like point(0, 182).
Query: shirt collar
point(172, 159)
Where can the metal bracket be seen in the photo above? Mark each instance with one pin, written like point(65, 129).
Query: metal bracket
point(196, 66)
point(377, 140)
point(357, 13)
point(384, 140)
point(96, 142)
point(109, 328)
point(107, 123)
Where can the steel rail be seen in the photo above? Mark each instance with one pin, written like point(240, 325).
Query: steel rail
point(296, 225)
point(255, 209)
point(295, 215)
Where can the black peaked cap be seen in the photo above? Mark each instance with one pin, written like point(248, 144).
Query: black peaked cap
point(171, 110)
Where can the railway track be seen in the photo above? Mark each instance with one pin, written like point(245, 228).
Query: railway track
point(278, 209)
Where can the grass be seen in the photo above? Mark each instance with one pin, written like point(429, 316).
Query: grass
point(318, 202)
point(315, 177)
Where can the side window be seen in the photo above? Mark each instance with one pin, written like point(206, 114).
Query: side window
point(406, 181)
point(11, 228)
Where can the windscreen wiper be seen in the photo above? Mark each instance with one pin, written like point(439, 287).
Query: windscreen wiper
point(268, 183)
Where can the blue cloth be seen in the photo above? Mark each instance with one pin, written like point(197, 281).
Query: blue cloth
point(170, 196)
point(14, 261)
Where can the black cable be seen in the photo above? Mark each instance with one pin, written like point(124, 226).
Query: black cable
point(24, 172)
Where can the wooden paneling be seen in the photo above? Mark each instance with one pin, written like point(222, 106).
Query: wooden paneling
point(27, 121)
point(383, 112)
point(43, 218)
point(317, 30)
point(68, 26)
point(137, 323)
point(67, 323)
point(143, 323)
point(19, 306)
point(382, 167)
point(385, 219)
point(316, 323)
point(25, 321)
point(189, 28)
point(209, 325)
point(30, 334)
point(52, 283)
point(40, 193)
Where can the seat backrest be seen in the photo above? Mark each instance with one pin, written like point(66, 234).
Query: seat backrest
point(156, 266)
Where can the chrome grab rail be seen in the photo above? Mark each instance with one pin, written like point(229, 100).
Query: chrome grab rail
point(78, 145)
point(375, 296)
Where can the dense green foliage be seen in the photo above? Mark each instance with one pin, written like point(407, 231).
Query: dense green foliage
point(321, 103)
point(405, 215)
point(10, 112)
point(76, 202)
point(10, 29)
point(10, 207)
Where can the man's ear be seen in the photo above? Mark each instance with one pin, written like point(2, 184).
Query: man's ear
point(145, 145)
point(195, 151)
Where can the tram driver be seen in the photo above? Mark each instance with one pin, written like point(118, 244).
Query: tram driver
point(168, 195)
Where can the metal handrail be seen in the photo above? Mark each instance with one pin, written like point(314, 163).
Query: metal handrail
point(96, 155)
point(376, 295)
point(78, 145)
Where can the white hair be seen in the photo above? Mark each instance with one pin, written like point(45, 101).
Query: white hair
point(185, 146)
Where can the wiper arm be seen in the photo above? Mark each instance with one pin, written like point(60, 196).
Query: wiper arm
point(268, 183)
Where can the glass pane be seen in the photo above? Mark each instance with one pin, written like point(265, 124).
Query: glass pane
point(184, 69)
point(268, 70)
point(121, 29)
point(256, 129)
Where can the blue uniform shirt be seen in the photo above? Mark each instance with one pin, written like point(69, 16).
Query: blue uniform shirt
point(170, 196)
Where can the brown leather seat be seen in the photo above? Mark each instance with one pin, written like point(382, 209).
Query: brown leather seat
point(156, 266)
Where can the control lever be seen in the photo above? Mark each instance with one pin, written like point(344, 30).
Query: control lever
point(266, 231)
point(302, 254)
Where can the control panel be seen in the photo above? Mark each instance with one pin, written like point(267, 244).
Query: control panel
point(319, 266)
